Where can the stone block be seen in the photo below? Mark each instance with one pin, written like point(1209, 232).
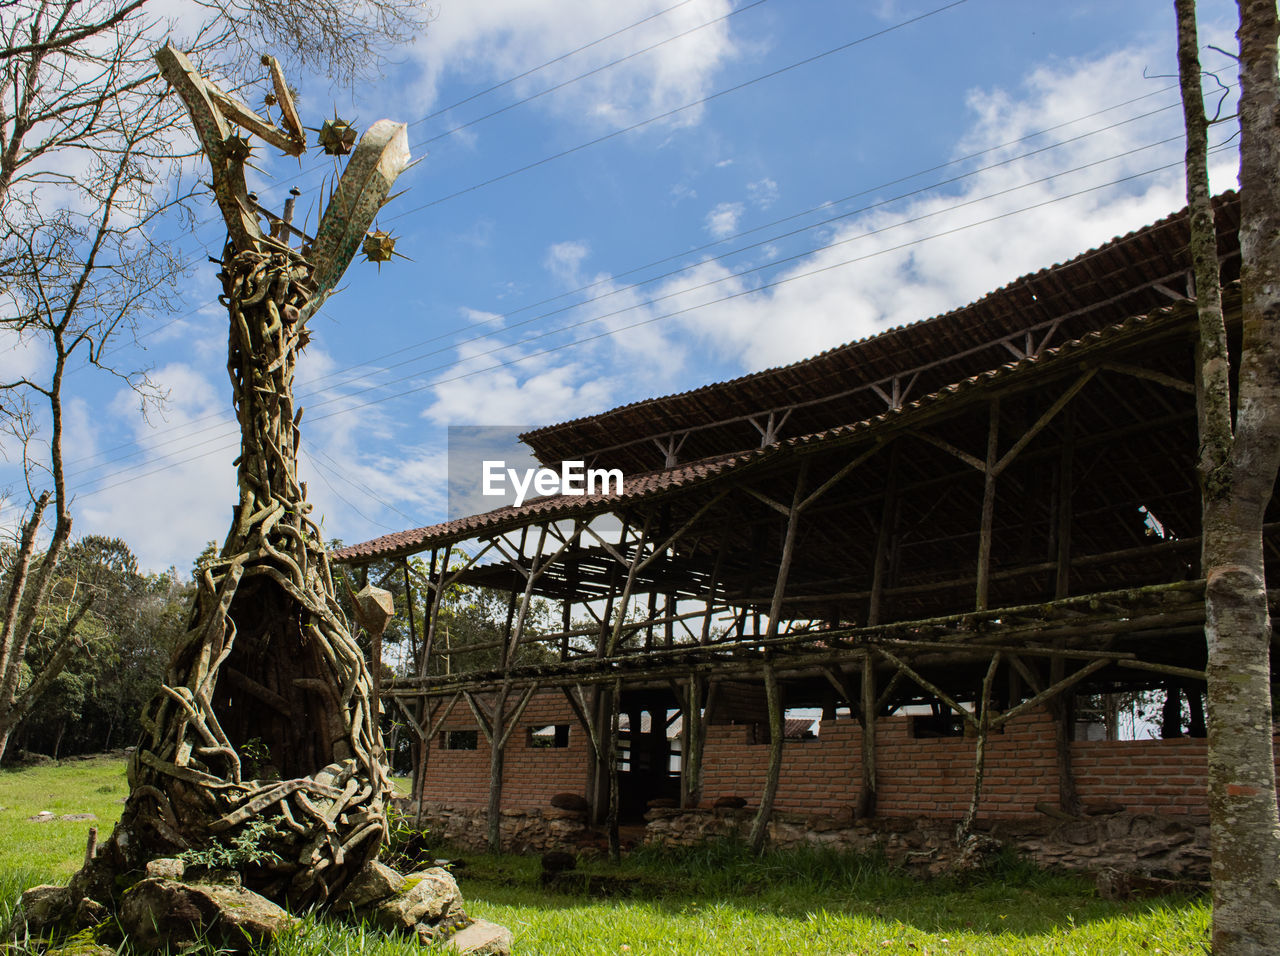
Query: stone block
point(159, 913)
point(426, 897)
point(481, 938)
point(375, 882)
point(166, 868)
point(40, 911)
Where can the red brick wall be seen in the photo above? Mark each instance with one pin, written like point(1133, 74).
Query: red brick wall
point(531, 775)
point(925, 777)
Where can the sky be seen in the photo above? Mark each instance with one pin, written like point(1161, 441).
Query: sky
point(626, 199)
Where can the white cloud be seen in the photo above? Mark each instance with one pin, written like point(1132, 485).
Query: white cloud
point(681, 192)
point(564, 261)
point(504, 38)
point(177, 495)
point(919, 257)
point(722, 221)
point(763, 193)
point(532, 391)
point(480, 317)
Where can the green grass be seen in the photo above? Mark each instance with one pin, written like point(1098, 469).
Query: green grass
point(714, 901)
point(56, 849)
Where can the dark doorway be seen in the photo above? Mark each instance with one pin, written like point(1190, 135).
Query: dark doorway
point(648, 763)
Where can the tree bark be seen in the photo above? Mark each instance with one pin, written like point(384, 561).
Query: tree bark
point(1238, 470)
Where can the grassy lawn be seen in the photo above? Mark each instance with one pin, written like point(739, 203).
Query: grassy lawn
point(716, 901)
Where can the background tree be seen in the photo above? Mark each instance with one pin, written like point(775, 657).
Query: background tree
point(1239, 459)
point(132, 625)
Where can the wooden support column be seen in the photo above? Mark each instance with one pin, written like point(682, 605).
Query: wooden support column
point(884, 537)
point(777, 730)
point(980, 749)
point(497, 726)
point(866, 806)
point(1066, 483)
point(421, 746)
point(988, 507)
point(435, 595)
point(1062, 710)
point(1062, 707)
point(587, 712)
point(773, 694)
point(691, 752)
point(615, 845)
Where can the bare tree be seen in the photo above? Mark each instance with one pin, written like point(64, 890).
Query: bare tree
point(1239, 459)
point(86, 139)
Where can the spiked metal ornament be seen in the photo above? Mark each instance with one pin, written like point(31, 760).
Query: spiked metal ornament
point(379, 246)
point(337, 137)
point(238, 148)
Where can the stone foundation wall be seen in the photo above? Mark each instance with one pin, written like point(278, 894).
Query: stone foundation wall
point(1162, 845)
point(523, 831)
point(1170, 846)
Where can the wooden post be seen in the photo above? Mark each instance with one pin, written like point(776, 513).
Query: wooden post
point(713, 583)
point(615, 845)
point(615, 635)
point(777, 730)
point(1062, 709)
point(867, 798)
point(1062, 580)
point(888, 519)
point(497, 758)
point(980, 749)
point(437, 598)
point(988, 507)
point(691, 752)
point(421, 746)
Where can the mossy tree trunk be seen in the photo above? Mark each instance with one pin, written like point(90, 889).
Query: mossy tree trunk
point(1239, 458)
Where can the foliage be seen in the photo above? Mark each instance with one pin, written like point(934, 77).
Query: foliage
point(132, 625)
point(407, 847)
point(249, 846)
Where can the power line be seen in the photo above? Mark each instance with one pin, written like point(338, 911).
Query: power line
point(552, 62)
point(653, 319)
point(558, 86)
point(688, 252)
point(497, 86)
point(680, 109)
point(583, 76)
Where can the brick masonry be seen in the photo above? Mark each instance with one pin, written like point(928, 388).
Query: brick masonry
point(929, 777)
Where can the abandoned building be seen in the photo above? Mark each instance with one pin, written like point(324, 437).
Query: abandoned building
point(869, 585)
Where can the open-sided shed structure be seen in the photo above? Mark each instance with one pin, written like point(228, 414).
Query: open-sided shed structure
point(981, 514)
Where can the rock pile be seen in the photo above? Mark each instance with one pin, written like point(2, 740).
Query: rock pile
point(161, 911)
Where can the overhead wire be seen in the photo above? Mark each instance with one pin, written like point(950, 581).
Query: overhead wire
point(772, 264)
point(635, 126)
point(737, 87)
point(653, 319)
point(269, 187)
point(312, 384)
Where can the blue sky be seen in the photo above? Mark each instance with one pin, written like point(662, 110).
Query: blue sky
point(756, 220)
